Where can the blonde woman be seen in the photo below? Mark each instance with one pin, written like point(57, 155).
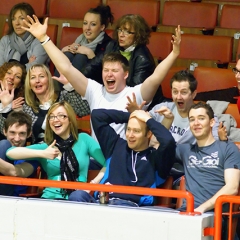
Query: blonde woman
point(40, 94)
point(65, 154)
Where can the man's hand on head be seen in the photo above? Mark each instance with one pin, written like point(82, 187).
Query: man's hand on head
point(141, 115)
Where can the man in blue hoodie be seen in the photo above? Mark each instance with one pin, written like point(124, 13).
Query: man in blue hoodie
point(131, 162)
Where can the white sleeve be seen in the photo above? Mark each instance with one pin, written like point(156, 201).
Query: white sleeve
point(6, 109)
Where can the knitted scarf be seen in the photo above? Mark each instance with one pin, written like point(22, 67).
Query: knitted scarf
point(20, 45)
point(69, 165)
point(92, 45)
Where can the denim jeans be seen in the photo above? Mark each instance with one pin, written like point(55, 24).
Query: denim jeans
point(82, 196)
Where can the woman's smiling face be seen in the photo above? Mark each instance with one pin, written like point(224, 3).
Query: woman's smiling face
point(13, 77)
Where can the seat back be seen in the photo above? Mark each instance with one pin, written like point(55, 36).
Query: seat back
point(84, 124)
point(210, 79)
point(228, 26)
point(34, 191)
point(70, 9)
point(92, 174)
point(215, 84)
point(165, 201)
point(229, 14)
point(200, 15)
point(232, 109)
point(39, 6)
point(69, 35)
point(160, 45)
point(205, 50)
point(148, 9)
point(70, 12)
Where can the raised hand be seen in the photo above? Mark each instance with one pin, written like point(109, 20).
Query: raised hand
point(17, 104)
point(6, 97)
point(132, 104)
point(61, 79)
point(37, 29)
point(141, 115)
point(222, 132)
point(176, 40)
point(51, 152)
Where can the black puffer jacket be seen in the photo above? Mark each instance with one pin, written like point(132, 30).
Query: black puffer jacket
point(93, 68)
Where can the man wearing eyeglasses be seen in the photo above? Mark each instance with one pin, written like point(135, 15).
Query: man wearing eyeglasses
point(17, 129)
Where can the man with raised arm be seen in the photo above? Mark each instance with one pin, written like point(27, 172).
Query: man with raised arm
point(113, 95)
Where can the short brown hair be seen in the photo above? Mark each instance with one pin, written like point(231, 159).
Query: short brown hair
point(20, 118)
point(185, 75)
point(116, 57)
point(206, 106)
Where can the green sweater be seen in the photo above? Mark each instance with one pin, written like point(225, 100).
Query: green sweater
point(84, 148)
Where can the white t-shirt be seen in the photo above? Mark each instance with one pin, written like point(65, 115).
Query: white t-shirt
point(179, 126)
point(98, 97)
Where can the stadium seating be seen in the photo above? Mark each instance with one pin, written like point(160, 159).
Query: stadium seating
point(206, 51)
point(160, 45)
point(69, 35)
point(229, 26)
point(232, 109)
point(39, 6)
point(193, 17)
point(71, 12)
point(149, 9)
point(210, 79)
point(84, 124)
point(215, 84)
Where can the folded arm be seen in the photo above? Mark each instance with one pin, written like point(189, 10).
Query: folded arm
point(106, 135)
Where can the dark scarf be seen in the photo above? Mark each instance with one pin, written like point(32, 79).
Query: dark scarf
point(69, 165)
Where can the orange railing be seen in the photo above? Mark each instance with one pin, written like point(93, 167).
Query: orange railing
point(217, 229)
point(105, 188)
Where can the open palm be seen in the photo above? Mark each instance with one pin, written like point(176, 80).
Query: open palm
point(37, 29)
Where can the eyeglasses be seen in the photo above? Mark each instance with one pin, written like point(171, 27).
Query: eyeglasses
point(125, 32)
point(235, 70)
point(59, 117)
